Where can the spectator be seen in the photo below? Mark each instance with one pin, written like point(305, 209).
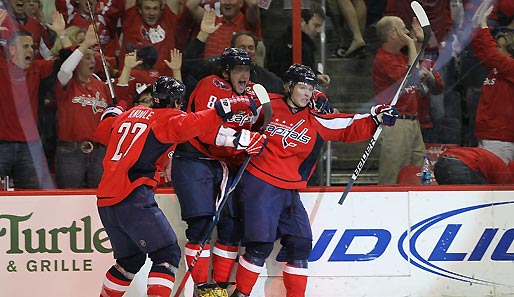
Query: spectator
point(354, 13)
point(21, 152)
point(18, 20)
point(136, 226)
point(149, 22)
point(76, 36)
point(134, 78)
point(445, 107)
point(245, 40)
point(232, 20)
point(471, 165)
point(81, 98)
point(494, 128)
point(34, 8)
point(402, 145)
point(280, 53)
point(200, 169)
point(105, 18)
point(267, 195)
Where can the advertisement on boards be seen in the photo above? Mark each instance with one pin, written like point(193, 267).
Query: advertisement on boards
point(433, 243)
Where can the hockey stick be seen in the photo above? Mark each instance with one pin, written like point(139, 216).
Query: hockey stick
point(427, 33)
point(102, 56)
point(263, 97)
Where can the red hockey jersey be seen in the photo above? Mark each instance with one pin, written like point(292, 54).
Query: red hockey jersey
point(135, 141)
point(295, 141)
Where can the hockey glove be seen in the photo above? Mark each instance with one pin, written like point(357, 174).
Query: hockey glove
point(252, 142)
point(320, 103)
point(384, 114)
point(226, 107)
point(114, 110)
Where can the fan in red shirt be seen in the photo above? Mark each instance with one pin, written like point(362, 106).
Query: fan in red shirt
point(81, 99)
point(136, 141)
point(21, 154)
point(149, 22)
point(494, 126)
point(402, 145)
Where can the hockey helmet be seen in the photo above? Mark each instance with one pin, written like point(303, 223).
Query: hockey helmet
point(300, 73)
point(234, 56)
point(167, 90)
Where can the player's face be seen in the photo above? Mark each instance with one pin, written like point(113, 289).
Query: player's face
point(150, 11)
point(239, 77)
point(230, 8)
point(302, 94)
point(86, 66)
point(22, 52)
point(313, 27)
point(247, 44)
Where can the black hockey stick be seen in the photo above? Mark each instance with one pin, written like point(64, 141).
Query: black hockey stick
point(102, 56)
point(427, 33)
point(263, 97)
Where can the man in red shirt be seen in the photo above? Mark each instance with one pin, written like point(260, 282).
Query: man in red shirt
point(149, 22)
point(136, 141)
point(402, 145)
point(21, 154)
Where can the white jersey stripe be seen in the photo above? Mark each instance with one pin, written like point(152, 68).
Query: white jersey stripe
point(340, 123)
point(296, 270)
point(249, 266)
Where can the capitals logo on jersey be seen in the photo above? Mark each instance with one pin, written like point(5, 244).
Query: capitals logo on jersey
point(220, 84)
point(288, 132)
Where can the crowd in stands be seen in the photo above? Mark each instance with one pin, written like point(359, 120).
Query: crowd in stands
point(55, 87)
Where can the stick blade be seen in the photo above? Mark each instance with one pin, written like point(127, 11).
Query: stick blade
point(263, 97)
point(420, 13)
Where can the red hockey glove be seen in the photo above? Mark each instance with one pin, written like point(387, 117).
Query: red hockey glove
point(226, 107)
point(320, 103)
point(252, 142)
point(114, 110)
point(384, 114)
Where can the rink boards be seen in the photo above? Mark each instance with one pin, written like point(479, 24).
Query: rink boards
point(435, 241)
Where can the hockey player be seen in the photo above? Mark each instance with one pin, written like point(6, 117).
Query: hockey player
point(200, 170)
point(267, 195)
point(135, 140)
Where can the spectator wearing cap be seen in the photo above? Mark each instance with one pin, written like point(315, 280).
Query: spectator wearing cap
point(138, 73)
point(402, 145)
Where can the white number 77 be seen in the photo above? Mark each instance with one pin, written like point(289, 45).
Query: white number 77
point(124, 129)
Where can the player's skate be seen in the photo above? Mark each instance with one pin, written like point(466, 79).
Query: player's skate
point(209, 290)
